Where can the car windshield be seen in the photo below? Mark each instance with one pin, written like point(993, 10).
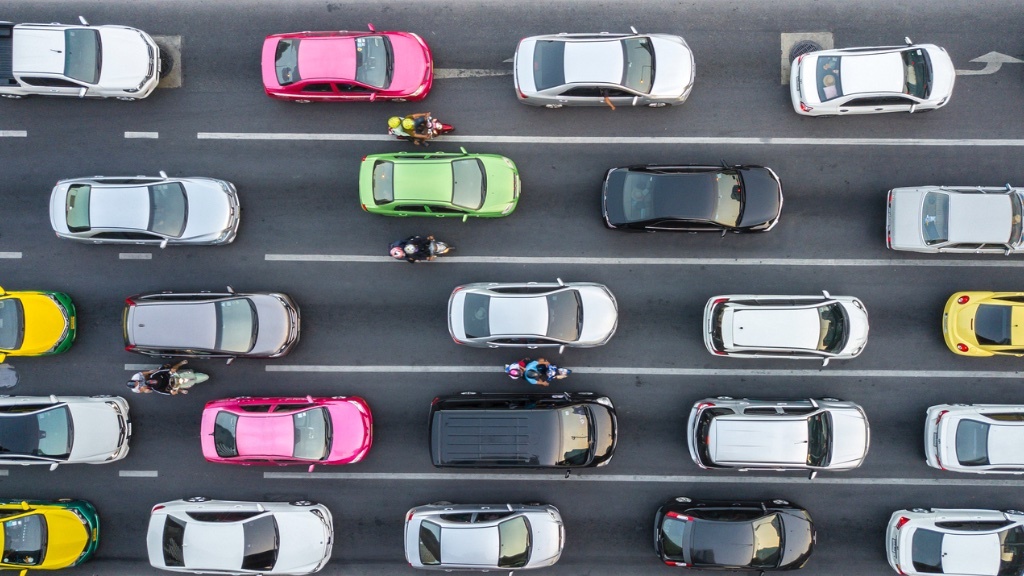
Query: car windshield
point(45, 433)
point(926, 551)
point(767, 542)
point(819, 439)
point(830, 85)
point(638, 56)
point(992, 325)
point(236, 325)
point(168, 209)
point(576, 431)
point(286, 61)
point(373, 61)
point(729, 199)
point(469, 183)
point(261, 542)
point(549, 64)
point(76, 207)
point(25, 540)
point(383, 182)
point(174, 542)
point(917, 73)
point(972, 443)
point(513, 543)
point(477, 316)
point(833, 328)
point(82, 55)
point(312, 434)
point(565, 315)
point(1011, 543)
point(430, 543)
point(224, 434)
point(12, 324)
point(935, 218)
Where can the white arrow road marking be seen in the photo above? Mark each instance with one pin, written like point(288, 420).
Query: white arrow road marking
point(993, 62)
point(468, 73)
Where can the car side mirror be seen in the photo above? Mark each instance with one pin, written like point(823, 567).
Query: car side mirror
point(373, 96)
point(370, 26)
point(163, 174)
point(83, 21)
point(826, 294)
point(25, 506)
point(311, 467)
point(465, 217)
point(3, 356)
point(53, 466)
point(813, 402)
point(913, 107)
point(81, 93)
point(463, 149)
point(633, 29)
point(560, 283)
point(908, 40)
point(2, 292)
point(163, 243)
point(723, 233)
point(230, 360)
point(561, 348)
point(824, 362)
point(812, 475)
point(231, 290)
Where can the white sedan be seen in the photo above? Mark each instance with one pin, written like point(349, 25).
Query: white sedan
point(956, 542)
point(977, 438)
point(955, 219)
point(201, 536)
point(57, 430)
point(845, 81)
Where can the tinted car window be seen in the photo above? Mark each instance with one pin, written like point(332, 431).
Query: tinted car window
point(917, 73)
point(373, 61)
point(236, 325)
point(1012, 557)
point(469, 183)
point(926, 551)
point(513, 543)
point(577, 435)
point(477, 317)
point(565, 315)
point(819, 439)
point(261, 542)
point(12, 324)
point(25, 540)
point(82, 56)
point(174, 542)
point(383, 182)
point(992, 324)
point(47, 433)
point(286, 62)
point(638, 73)
point(767, 542)
point(312, 434)
point(430, 543)
point(168, 209)
point(673, 539)
point(76, 207)
point(833, 328)
point(224, 434)
point(549, 64)
point(935, 215)
point(972, 443)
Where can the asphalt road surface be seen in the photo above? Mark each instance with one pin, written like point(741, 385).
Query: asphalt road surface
point(376, 328)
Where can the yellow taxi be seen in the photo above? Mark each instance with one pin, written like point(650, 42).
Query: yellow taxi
point(984, 323)
point(35, 323)
point(45, 535)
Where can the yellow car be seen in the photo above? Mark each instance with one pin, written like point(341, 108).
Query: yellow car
point(45, 535)
point(984, 323)
point(35, 323)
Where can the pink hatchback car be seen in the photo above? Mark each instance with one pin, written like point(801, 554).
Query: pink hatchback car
point(347, 66)
point(281, 431)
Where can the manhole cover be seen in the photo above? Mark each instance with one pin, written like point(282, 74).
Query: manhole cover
point(166, 63)
point(803, 47)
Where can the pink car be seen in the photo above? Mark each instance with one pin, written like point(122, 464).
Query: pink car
point(347, 66)
point(281, 431)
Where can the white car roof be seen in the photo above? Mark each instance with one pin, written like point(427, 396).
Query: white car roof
point(472, 546)
point(1005, 445)
point(119, 207)
point(591, 62)
point(212, 545)
point(518, 315)
point(738, 438)
point(978, 554)
point(39, 51)
point(759, 328)
point(980, 218)
point(872, 73)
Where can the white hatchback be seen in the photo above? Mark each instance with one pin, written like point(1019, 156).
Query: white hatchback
point(976, 438)
point(911, 78)
point(57, 430)
point(955, 542)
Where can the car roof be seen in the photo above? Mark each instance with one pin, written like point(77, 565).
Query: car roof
point(518, 315)
point(788, 328)
point(212, 545)
point(739, 438)
point(872, 73)
point(473, 545)
point(175, 324)
point(428, 179)
point(265, 434)
point(119, 207)
point(594, 62)
point(980, 218)
point(327, 57)
point(971, 553)
point(1005, 443)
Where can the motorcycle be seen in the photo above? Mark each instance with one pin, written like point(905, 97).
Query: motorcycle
point(538, 372)
point(431, 128)
point(166, 380)
point(416, 248)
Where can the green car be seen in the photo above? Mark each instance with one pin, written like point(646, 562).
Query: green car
point(439, 184)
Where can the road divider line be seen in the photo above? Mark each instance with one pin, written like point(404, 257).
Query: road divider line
point(568, 260)
point(644, 371)
point(635, 140)
point(636, 478)
point(10, 254)
point(138, 473)
point(135, 256)
point(4, 473)
point(141, 134)
point(13, 133)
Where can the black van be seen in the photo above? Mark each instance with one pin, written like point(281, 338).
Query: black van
point(530, 430)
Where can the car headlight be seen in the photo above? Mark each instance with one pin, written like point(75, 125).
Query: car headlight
point(508, 209)
point(509, 163)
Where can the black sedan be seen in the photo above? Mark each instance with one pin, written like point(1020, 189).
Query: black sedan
point(770, 535)
point(692, 198)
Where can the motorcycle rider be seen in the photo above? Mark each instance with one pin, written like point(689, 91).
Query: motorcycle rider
point(413, 249)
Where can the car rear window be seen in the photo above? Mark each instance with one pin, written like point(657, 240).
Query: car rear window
point(174, 542)
point(992, 324)
point(224, 434)
point(286, 62)
point(549, 64)
point(374, 62)
point(76, 207)
point(675, 539)
point(12, 324)
point(261, 543)
point(168, 209)
point(638, 72)
point(383, 182)
point(25, 540)
point(972, 443)
point(926, 551)
point(830, 83)
point(469, 183)
point(82, 54)
point(513, 543)
point(935, 216)
point(477, 315)
point(430, 543)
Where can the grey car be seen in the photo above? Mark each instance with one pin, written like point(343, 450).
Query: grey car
point(211, 324)
point(157, 210)
point(747, 434)
point(532, 314)
point(446, 536)
point(603, 69)
point(955, 219)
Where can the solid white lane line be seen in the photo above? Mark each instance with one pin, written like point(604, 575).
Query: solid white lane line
point(13, 133)
point(138, 473)
point(10, 254)
point(659, 140)
point(644, 371)
point(141, 134)
point(565, 260)
point(135, 256)
point(586, 476)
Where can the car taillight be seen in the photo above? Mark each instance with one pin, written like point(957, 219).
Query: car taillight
point(800, 59)
point(364, 159)
point(129, 302)
point(900, 570)
point(805, 107)
point(678, 516)
point(129, 347)
point(522, 95)
point(671, 563)
point(941, 414)
point(962, 347)
point(408, 516)
point(719, 301)
point(435, 401)
point(963, 299)
point(903, 520)
point(719, 352)
point(704, 405)
point(157, 507)
point(363, 206)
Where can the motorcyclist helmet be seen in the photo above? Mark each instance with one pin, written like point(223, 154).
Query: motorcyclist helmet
point(408, 124)
point(397, 252)
point(513, 371)
point(394, 122)
point(411, 248)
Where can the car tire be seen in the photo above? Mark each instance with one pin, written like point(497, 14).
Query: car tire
point(683, 500)
point(12, 96)
point(63, 499)
point(126, 99)
point(467, 393)
point(302, 503)
point(723, 397)
point(441, 503)
point(825, 116)
point(552, 106)
point(302, 101)
point(195, 499)
point(779, 502)
point(831, 399)
point(920, 510)
point(1015, 512)
point(399, 100)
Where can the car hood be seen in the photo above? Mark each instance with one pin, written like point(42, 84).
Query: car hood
point(674, 72)
point(97, 431)
point(762, 197)
point(58, 216)
point(209, 208)
point(351, 431)
point(798, 537)
point(546, 541)
point(600, 315)
point(905, 219)
point(304, 542)
point(857, 322)
point(67, 540)
point(501, 184)
point(126, 58)
point(849, 439)
point(45, 323)
point(943, 73)
point(275, 326)
point(412, 63)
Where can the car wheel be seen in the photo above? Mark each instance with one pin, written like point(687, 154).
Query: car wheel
point(302, 101)
point(12, 96)
point(1016, 512)
point(126, 99)
point(657, 104)
point(197, 499)
point(826, 116)
point(399, 100)
point(831, 399)
point(302, 503)
point(552, 106)
point(102, 396)
point(63, 499)
point(441, 503)
point(534, 504)
point(780, 502)
point(919, 510)
point(468, 393)
point(683, 500)
point(723, 397)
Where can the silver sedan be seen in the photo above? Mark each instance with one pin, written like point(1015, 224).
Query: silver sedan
point(157, 210)
point(955, 219)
